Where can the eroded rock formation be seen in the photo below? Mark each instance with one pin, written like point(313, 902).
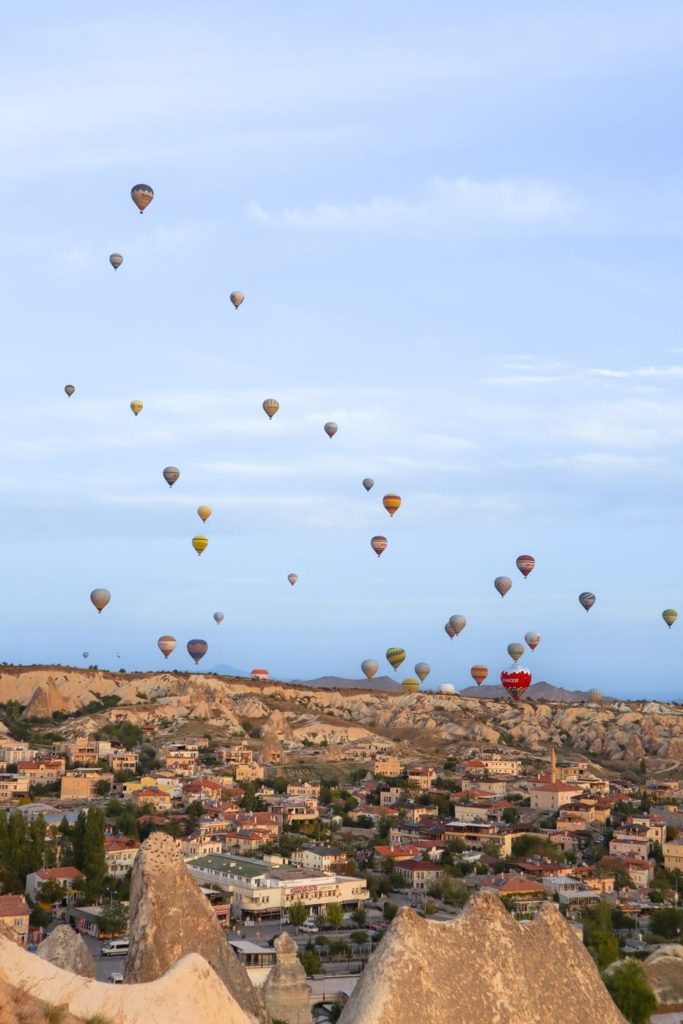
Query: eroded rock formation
point(170, 917)
point(286, 993)
point(664, 969)
point(65, 948)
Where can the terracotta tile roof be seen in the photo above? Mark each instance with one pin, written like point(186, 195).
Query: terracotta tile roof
point(13, 906)
point(59, 873)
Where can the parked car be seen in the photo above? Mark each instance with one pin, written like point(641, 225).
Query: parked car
point(309, 928)
point(116, 947)
point(116, 978)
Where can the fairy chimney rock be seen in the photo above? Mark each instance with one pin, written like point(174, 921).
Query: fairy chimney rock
point(65, 948)
point(170, 917)
point(286, 993)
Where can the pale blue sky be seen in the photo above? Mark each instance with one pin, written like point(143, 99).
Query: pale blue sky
point(458, 228)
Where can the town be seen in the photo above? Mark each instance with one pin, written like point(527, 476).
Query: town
point(330, 853)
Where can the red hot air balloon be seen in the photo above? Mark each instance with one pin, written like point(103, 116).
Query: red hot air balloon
point(515, 679)
point(197, 649)
point(525, 564)
point(378, 545)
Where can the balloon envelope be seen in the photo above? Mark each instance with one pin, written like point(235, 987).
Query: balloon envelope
point(587, 600)
point(669, 616)
point(204, 511)
point(69, 390)
point(410, 685)
point(170, 475)
point(369, 667)
point(449, 629)
point(116, 259)
point(197, 649)
point(515, 680)
point(392, 503)
point(395, 656)
point(378, 545)
point(218, 616)
point(502, 584)
point(136, 406)
point(422, 670)
point(479, 673)
point(237, 298)
point(100, 598)
point(200, 543)
point(270, 407)
point(86, 654)
point(368, 483)
point(166, 645)
point(457, 623)
point(292, 578)
point(515, 651)
point(142, 196)
point(331, 429)
point(525, 564)
point(533, 639)
point(447, 688)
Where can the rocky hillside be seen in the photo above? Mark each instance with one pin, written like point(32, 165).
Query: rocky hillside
point(341, 724)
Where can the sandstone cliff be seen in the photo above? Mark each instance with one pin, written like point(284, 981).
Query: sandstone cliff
point(170, 917)
point(483, 967)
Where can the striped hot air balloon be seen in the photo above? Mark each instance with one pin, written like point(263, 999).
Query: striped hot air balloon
point(69, 390)
point(479, 673)
point(525, 564)
point(170, 475)
point(166, 645)
point(200, 543)
point(392, 503)
point(369, 668)
point(669, 616)
point(410, 685)
point(515, 680)
point(587, 600)
point(395, 656)
point(379, 544)
point(270, 407)
point(237, 298)
point(197, 649)
point(142, 196)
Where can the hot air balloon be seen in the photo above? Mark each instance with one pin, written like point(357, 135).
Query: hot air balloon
point(525, 564)
point(218, 616)
point(669, 616)
point(515, 651)
point(142, 196)
point(200, 543)
point(69, 390)
point(116, 259)
point(594, 696)
point(587, 600)
point(368, 483)
point(292, 578)
point(270, 407)
point(237, 298)
point(369, 668)
point(447, 689)
point(395, 656)
point(166, 645)
point(422, 670)
point(86, 654)
point(204, 511)
point(378, 545)
point(533, 639)
point(100, 598)
point(449, 629)
point(331, 429)
point(515, 680)
point(137, 407)
point(410, 685)
point(457, 623)
point(502, 584)
point(479, 673)
point(392, 503)
point(197, 649)
point(170, 475)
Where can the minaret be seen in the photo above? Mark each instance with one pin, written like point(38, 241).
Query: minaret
point(553, 765)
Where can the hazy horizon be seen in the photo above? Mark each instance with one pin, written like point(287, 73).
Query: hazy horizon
point(458, 236)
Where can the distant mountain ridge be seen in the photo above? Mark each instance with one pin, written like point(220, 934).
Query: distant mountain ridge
point(340, 683)
point(537, 691)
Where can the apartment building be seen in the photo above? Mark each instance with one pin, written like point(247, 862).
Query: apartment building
point(387, 765)
point(13, 786)
point(119, 854)
point(81, 783)
point(42, 772)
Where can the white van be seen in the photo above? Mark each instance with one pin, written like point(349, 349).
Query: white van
point(309, 928)
point(116, 947)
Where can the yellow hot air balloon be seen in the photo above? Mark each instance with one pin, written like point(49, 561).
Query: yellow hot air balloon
point(200, 544)
point(669, 616)
point(410, 685)
point(136, 407)
point(392, 503)
point(237, 298)
point(142, 196)
point(270, 407)
point(204, 511)
point(395, 656)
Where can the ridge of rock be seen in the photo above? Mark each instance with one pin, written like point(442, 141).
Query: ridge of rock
point(169, 917)
point(483, 966)
point(65, 948)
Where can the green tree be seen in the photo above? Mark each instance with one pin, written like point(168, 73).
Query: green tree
point(114, 919)
point(78, 840)
point(359, 916)
point(598, 935)
point(631, 991)
point(51, 891)
point(102, 787)
point(94, 863)
point(667, 922)
point(297, 914)
point(311, 962)
point(389, 910)
point(334, 915)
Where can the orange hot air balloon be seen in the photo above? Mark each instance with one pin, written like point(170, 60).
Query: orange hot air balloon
point(142, 196)
point(204, 511)
point(136, 407)
point(166, 645)
point(378, 545)
point(237, 298)
point(200, 544)
point(392, 503)
point(525, 564)
point(270, 407)
point(479, 673)
point(100, 598)
point(170, 475)
point(331, 429)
